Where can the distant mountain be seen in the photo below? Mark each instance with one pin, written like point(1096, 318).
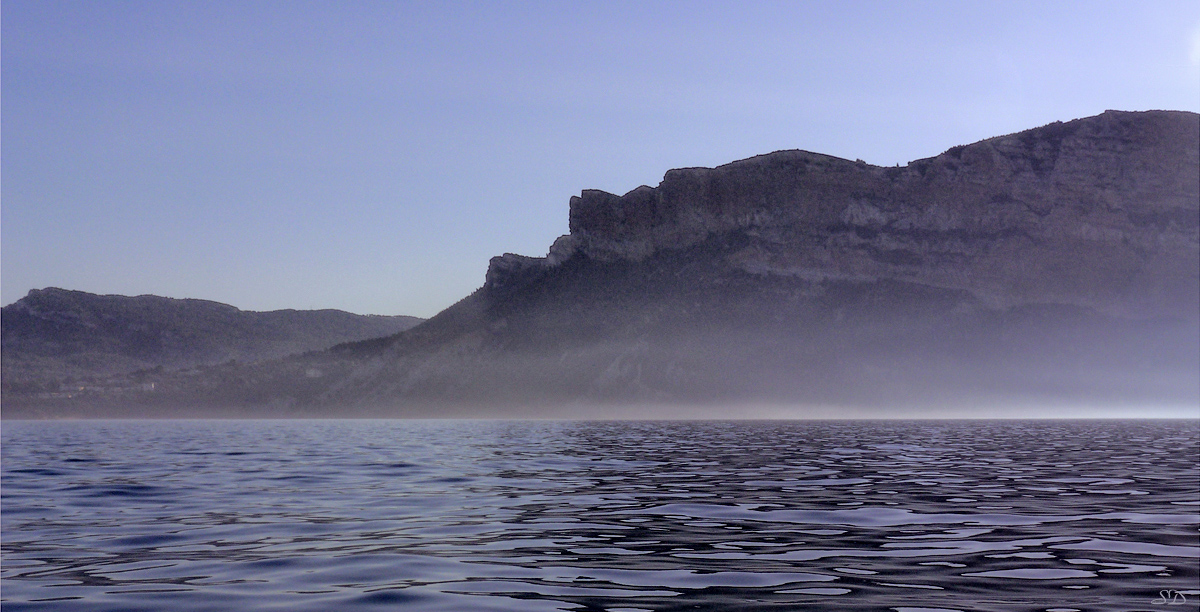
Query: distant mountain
point(52, 335)
point(1056, 265)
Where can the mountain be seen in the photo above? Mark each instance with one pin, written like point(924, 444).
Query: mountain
point(53, 335)
point(1059, 265)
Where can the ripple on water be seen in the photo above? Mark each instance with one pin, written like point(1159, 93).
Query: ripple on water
point(633, 517)
point(1034, 574)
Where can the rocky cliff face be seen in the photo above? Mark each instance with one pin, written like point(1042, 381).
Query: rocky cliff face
point(1099, 212)
point(1056, 265)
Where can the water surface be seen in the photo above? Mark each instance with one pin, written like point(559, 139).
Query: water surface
point(617, 516)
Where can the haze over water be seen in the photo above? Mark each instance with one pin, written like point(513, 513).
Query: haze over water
point(620, 516)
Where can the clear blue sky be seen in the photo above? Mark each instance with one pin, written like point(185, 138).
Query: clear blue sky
point(372, 156)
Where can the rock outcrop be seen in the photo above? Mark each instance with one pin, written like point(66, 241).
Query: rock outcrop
point(1099, 212)
point(1060, 265)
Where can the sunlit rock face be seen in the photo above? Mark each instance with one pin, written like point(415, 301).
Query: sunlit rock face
point(1099, 212)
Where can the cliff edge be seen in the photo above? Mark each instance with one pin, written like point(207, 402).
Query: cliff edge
point(1101, 212)
point(1055, 266)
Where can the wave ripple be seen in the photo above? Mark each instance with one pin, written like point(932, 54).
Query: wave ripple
point(654, 516)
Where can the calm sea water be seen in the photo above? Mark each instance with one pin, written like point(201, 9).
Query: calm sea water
point(618, 516)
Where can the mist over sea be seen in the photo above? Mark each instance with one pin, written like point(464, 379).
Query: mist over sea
point(603, 515)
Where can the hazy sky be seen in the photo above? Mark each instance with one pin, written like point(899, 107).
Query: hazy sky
point(372, 156)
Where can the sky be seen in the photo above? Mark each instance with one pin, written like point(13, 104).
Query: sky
point(372, 156)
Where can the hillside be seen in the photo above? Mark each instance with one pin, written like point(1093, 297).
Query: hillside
point(1059, 265)
point(52, 335)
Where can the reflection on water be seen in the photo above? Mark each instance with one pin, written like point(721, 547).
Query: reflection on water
point(618, 516)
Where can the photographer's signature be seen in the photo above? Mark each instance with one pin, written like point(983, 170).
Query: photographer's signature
point(1171, 597)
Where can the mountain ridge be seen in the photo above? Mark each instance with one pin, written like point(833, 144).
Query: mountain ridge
point(1056, 265)
point(862, 205)
point(53, 334)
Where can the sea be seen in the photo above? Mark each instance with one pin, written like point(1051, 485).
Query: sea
point(616, 516)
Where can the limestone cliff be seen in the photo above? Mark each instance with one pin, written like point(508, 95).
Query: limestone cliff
point(1059, 262)
point(1102, 212)
point(1060, 265)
